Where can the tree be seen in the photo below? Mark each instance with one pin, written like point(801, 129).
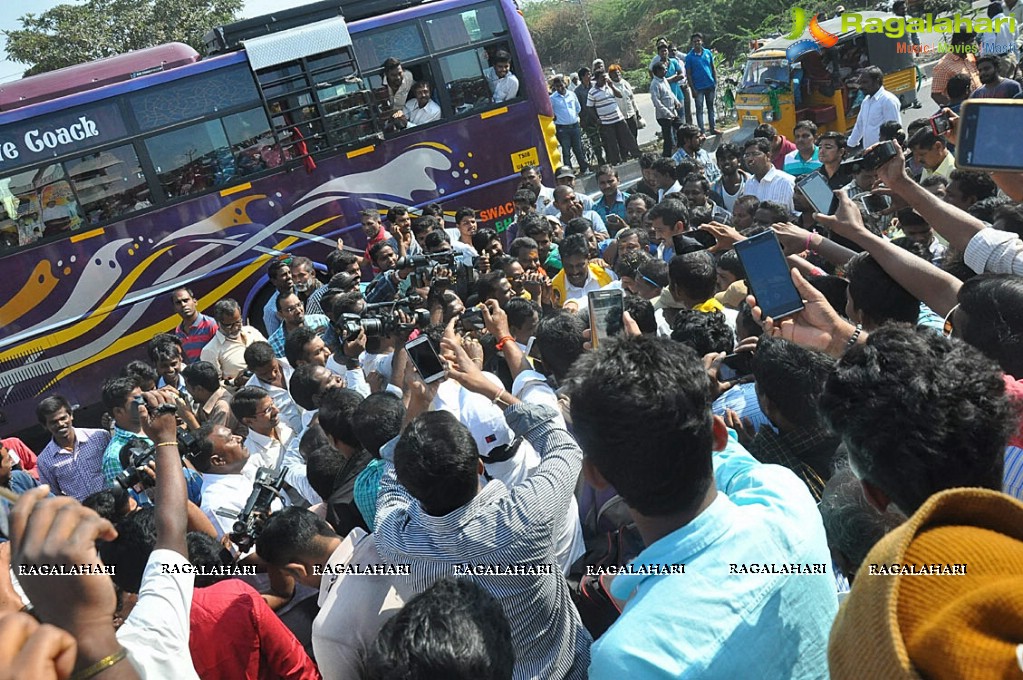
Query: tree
point(72, 34)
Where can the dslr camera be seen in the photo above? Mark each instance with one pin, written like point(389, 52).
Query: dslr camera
point(381, 319)
point(249, 523)
point(137, 453)
point(423, 266)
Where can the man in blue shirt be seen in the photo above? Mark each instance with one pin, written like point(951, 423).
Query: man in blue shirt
point(566, 124)
point(703, 80)
point(611, 206)
point(735, 578)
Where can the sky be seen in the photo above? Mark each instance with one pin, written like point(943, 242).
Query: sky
point(10, 70)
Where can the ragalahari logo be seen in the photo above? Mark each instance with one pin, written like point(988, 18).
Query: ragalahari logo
point(817, 32)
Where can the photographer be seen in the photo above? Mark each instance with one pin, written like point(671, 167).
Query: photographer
point(60, 531)
point(390, 282)
point(450, 271)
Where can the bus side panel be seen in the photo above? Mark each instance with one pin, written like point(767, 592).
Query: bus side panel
point(93, 301)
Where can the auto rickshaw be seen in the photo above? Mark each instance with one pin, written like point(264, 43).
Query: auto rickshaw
point(789, 80)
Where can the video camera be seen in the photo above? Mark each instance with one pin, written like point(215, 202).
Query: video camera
point(423, 266)
point(137, 453)
point(249, 523)
point(381, 319)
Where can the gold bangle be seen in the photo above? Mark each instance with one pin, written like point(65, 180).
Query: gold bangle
point(101, 665)
point(174, 443)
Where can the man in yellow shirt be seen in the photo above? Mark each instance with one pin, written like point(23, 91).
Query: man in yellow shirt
point(578, 276)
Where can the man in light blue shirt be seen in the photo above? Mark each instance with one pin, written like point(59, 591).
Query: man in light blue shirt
point(756, 596)
point(566, 124)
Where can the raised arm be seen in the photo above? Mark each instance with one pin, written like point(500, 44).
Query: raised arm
point(171, 493)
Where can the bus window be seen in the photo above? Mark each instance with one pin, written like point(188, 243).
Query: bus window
point(464, 78)
point(249, 134)
point(463, 28)
point(193, 97)
point(108, 183)
point(404, 42)
point(40, 203)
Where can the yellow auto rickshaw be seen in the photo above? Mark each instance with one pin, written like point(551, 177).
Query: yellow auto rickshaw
point(788, 80)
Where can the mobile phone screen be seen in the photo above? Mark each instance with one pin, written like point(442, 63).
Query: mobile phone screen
point(425, 358)
point(607, 308)
point(874, 203)
point(982, 130)
point(818, 193)
point(768, 275)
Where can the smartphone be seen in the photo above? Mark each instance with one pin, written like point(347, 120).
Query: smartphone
point(940, 123)
point(983, 127)
point(768, 275)
point(874, 203)
point(607, 309)
point(817, 192)
point(425, 358)
point(735, 366)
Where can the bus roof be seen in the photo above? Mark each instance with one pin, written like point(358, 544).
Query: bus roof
point(93, 74)
point(775, 48)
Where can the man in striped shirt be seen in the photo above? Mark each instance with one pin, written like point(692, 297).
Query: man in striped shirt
point(195, 329)
point(432, 514)
point(618, 140)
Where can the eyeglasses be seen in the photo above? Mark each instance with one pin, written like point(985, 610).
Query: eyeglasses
point(753, 154)
point(947, 328)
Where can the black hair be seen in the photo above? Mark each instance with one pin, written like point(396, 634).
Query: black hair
point(657, 451)
point(958, 86)
point(728, 150)
point(629, 263)
point(323, 468)
point(276, 267)
point(834, 288)
point(140, 372)
point(203, 374)
point(424, 223)
point(129, 552)
point(745, 325)
point(878, 295)
point(973, 183)
point(463, 213)
point(574, 245)
point(520, 311)
point(920, 413)
point(805, 125)
point(482, 238)
point(393, 213)
point(685, 167)
point(642, 312)
point(765, 131)
point(993, 305)
point(703, 332)
point(532, 224)
point(294, 345)
point(111, 504)
point(437, 239)
point(454, 630)
point(487, 286)
point(204, 447)
point(647, 160)
point(841, 140)
point(664, 166)
point(578, 225)
point(984, 209)
point(924, 138)
point(647, 201)
point(436, 460)
point(655, 269)
point(165, 347)
point(892, 129)
point(289, 534)
point(304, 386)
point(337, 407)
point(258, 354)
point(115, 392)
point(377, 420)
point(695, 274)
point(522, 242)
point(374, 251)
point(779, 213)
point(763, 145)
point(729, 261)
point(525, 195)
point(1011, 215)
point(208, 556)
point(793, 378)
point(313, 438)
point(670, 212)
point(245, 402)
point(559, 340)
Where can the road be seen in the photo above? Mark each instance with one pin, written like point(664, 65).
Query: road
point(649, 141)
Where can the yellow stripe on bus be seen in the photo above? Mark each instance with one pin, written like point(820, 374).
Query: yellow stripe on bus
point(361, 152)
point(89, 234)
point(235, 190)
point(495, 112)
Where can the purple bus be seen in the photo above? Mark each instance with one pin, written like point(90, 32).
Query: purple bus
point(196, 175)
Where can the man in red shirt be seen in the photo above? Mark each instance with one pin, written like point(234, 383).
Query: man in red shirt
point(375, 233)
point(780, 146)
point(234, 635)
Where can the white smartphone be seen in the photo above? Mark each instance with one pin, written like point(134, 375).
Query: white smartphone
point(425, 358)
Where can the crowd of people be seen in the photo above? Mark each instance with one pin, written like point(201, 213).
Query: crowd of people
point(300, 494)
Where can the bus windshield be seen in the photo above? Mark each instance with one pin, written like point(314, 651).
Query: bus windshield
point(762, 74)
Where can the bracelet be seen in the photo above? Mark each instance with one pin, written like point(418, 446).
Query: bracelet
point(852, 340)
point(498, 397)
point(101, 665)
point(809, 236)
point(174, 443)
point(504, 341)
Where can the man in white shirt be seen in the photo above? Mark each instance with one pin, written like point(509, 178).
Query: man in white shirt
point(273, 374)
point(767, 183)
point(504, 84)
point(422, 109)
point(226, 350)
point(879, 106)
point(663, 173)
point(531, 179)
point(271, 443)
